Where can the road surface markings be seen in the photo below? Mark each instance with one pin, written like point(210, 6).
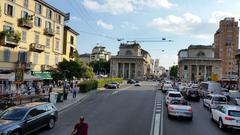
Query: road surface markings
point(157, 114)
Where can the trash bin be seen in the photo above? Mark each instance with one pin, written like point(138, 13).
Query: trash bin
point(60, 97)
point(53, 97)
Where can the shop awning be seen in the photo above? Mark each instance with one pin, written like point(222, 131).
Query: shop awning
point(11, 77)
point(43, 75)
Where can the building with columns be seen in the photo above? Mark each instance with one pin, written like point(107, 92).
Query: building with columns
point(197, 63)
point(131, 62)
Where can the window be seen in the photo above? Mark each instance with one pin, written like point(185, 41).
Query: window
point(22, 56)
point(25, 3)
point(71, 40)
point(200, 54)
point(49, 14)
point(36, 38)
point(48, 25)
point(47, 59)
point(25, 14)
point(35, 58)
point(9, 10)
point(38, 21)
point(128, 52)
point(56, 59)
point(6, 55)
point(24, 36)
point(47, 42)
point(41, 109)
point(185, 67)
point(8, 28)
point(38, 8)
point(58, 19)
point(58, 30)
point(57, 45)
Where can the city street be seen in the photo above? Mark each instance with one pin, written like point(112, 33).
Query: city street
point(111, 112)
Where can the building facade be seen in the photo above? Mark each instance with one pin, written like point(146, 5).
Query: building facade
point(197, 63)
point(226, 46)
point(31, 39)
point(100, 52)
point(85, 58)
point(131, 62)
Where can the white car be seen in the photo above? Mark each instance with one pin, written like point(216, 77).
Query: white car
point(173, 95)
point(227, 116)
point(213, 100)
point(137, 83)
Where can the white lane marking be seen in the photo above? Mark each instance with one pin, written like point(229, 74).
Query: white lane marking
point(162, 118)
point(157, 124)
point(115, 92)
point(153, 115)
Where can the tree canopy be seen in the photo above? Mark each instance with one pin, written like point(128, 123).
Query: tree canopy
point(100, 67)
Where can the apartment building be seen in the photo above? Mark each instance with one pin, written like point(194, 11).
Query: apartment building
point(226, 46)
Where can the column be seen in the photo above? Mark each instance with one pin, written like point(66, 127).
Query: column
point(189, 77)
point(205, 73)
point(136, 76)
point(123, 64)
point(129, 71)
point(197, 76)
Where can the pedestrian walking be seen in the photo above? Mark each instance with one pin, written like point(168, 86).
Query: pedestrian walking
point(80, 128)
point(74, 91)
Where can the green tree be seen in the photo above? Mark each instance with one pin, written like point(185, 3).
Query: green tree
point(174, 71)
point(101, 66)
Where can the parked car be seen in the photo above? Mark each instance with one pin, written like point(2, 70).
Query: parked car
point(209, 87)
point(179, 108)
point(131, 81)
point(237, 99)
point(213, 100)
point(28, 118)
point(137, 83)
point(192, 94)
point(227, 116)
point(225, 92)
point(173, 95)
point(113, 85)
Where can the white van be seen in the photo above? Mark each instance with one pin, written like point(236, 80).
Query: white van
point(209, 87)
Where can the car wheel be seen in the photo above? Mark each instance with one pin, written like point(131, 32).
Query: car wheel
point(16, 133)
point(51, 123)
point(191, 118)
point(220, 124)
point(169, 116)
point(204, 104)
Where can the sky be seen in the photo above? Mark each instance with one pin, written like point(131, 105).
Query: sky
point(185, 22)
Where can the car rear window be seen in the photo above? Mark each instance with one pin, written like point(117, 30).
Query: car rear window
point(14, 114)
point(234, 113)
point(179, 102)
point(174, 95)
point(220, 99)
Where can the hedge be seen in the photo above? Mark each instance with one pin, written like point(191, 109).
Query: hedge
point(88, 85)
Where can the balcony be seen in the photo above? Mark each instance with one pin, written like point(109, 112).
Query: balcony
point(37, 47)
point(71, 54)
point(9, 39)
point(25, 22)
point(49, 32)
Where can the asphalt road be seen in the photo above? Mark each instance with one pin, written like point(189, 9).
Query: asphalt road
point(201, 124)
point(111, 112)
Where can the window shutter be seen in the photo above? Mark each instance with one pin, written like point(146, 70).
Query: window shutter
point(22, 14)
point(13, 11)
point(5, 8)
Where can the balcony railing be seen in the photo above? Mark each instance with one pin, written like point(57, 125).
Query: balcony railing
point(71, 54)
point(10, 39)
point(37, 47)
point(25, 22)
point(49, 32)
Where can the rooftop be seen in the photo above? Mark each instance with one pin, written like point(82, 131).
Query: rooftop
point(52, 7)
point(72, 30)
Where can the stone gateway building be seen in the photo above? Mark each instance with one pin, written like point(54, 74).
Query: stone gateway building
point(131, 62)
point(197, 63)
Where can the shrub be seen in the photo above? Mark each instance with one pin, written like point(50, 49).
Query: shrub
point(87, 85)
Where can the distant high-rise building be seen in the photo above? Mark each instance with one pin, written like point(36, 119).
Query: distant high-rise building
point(156, 65)
point(226, 46)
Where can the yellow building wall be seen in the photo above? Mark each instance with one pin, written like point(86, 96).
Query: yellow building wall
point(25, 46)
point(69, 34)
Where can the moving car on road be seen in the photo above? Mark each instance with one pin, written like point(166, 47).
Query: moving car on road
point(173, 95)
point(209, 87)
point(227, 116)
point(28, 118)
point(131, 81)
point(166, 87)
point(192, 94)
point(213, 100)
point(179, 108)
point(113, 85)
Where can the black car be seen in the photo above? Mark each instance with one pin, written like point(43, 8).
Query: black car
point(192, 94)
point(28, 118)
point(131, 81)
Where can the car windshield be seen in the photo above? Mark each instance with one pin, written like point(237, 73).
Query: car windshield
point(179, 102)
point(174, 95)
point(220, 99)
point(234, 113)
point(13, 114)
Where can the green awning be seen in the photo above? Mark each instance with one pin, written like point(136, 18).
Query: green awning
point(43, 75)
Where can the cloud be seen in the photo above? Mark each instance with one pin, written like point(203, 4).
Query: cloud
point(125, 6)
point(128, 25)
point(76, 18)
point(177, 24)
point(220, 1)
point(219, 15)
point(104, 25)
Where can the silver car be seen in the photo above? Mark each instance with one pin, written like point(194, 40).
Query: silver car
point(179, 108)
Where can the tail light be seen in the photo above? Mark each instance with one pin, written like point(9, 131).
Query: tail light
point(190, 110)
point(228, 118)
point(170, 108)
